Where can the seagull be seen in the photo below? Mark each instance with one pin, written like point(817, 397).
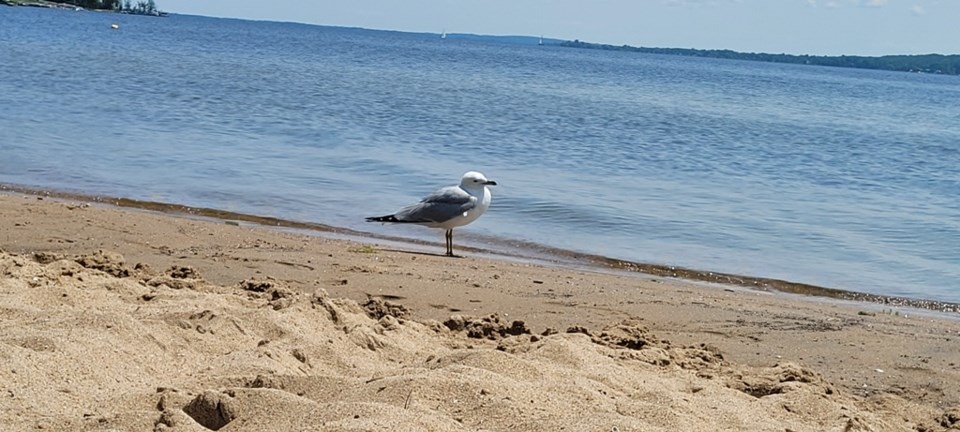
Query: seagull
point(448, 207)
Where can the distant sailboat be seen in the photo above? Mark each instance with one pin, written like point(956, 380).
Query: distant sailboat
point(541, 41)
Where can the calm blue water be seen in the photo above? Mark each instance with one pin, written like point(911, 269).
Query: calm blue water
point(837, 177)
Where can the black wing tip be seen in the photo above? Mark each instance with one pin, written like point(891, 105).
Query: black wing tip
point(388, 218)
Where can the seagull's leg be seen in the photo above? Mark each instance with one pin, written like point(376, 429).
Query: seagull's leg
point(450, 242)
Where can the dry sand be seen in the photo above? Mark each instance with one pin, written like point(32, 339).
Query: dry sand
point(115, 319)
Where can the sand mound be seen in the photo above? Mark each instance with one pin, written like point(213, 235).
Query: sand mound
point(93, 343)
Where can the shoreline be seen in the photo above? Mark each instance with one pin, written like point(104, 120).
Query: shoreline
point(67, 6)
point(535, 252)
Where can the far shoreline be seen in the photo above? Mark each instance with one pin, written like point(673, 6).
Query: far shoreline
point(43, 4)
point(534, 252)
point(930, 63)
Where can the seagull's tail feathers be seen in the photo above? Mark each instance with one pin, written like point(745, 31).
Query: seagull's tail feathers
point(388, 218)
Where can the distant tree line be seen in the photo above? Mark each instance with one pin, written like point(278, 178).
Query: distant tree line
point(929, 63)
point(142, 7)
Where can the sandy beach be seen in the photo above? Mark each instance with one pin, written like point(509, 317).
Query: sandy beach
point(129, 320)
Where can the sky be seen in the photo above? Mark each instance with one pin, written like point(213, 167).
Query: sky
point(815, 27)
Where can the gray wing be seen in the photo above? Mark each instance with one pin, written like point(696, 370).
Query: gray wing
point(438, 207)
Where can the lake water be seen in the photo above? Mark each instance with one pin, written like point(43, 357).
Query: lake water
point(842, 178)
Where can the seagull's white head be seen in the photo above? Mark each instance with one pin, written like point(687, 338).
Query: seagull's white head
point(473, 179)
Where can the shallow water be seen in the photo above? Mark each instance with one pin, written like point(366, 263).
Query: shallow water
point(836, 177)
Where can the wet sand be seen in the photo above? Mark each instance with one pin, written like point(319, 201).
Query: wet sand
point(522, 250)
point(125, 319)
